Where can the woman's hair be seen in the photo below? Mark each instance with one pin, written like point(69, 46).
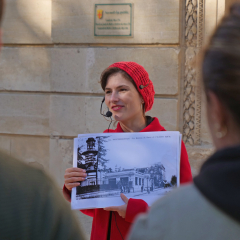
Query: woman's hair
point(112, 71)
point(221, 63)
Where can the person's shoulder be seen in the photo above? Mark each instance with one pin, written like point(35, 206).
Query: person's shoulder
point(184, 213)
point(166, 216)
point(186, 193)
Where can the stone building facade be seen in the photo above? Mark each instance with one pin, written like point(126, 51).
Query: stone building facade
point(51, 64)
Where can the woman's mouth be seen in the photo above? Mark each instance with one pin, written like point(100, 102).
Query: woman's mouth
point(117, 107)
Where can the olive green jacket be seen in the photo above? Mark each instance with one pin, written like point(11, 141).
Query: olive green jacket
point(31, 206)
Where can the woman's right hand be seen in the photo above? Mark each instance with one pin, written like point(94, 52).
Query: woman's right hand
point(73, 176)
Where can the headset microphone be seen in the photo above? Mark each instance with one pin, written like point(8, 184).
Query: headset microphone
point(108, 113)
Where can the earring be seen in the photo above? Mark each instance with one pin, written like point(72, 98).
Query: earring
point(220, 132)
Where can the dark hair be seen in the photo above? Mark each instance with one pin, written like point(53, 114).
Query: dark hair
point(221, 63)
point(1, 10)
point(112, 71)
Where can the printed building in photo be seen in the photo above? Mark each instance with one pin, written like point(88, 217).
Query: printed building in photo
point(132, 180)
point(123, 180)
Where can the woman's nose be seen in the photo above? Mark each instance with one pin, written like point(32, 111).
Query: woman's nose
point(114, 97)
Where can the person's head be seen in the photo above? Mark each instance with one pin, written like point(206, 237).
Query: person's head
point(221, 79)
point(129, 92)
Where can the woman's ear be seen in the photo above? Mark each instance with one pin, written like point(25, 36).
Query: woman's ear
point(218, 119)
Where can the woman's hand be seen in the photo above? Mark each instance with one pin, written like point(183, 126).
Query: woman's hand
point(120, 209)
point(73, 176)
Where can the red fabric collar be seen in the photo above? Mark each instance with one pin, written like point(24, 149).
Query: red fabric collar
point(154, 126)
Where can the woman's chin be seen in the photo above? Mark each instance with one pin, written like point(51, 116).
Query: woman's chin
point(118, 117)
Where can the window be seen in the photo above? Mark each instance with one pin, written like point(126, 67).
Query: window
point(136, 181)
point(140, 181)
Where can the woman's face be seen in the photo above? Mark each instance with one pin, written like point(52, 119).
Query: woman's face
point(122, 98)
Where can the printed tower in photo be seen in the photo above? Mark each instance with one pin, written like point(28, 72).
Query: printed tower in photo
point(91, 162)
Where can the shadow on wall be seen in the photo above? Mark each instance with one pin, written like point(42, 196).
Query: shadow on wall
point(27, 22)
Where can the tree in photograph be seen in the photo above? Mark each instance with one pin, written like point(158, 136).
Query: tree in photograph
point(102, 151)
point(174, 180)
point(79, 156)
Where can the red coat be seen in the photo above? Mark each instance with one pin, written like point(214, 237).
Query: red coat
point(135, 206)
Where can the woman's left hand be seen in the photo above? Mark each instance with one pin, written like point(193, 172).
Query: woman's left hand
point(120, 209)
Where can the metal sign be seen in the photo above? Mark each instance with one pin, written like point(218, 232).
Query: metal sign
point(113, 20)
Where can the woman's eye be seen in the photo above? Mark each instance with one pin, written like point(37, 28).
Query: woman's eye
point(123, 89)
point(107, 92)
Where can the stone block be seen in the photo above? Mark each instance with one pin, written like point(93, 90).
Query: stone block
point(69, 69)
point(210, 18)
point(25, 69)
point(32, 150)
point(26, 114)
point(27, 22)
point(73, 115)
point(220, 10)
point(155, 21)
point(79, 69)
point(198, 155)
point(67, 115)
point(96, 123)
point(166, 110)
point(61, 158)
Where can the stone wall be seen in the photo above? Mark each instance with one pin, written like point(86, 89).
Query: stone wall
point(51, 63)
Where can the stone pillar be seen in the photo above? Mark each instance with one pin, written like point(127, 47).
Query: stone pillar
point(192, 91)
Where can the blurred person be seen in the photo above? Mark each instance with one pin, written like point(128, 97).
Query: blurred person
point(210, 207)
point(129, 94)
point(31, 206)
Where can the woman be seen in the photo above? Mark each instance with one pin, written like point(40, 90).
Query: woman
point(210, 208)
point(129, 93)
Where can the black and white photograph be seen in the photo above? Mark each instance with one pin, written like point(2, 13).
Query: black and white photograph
point(140, 165)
